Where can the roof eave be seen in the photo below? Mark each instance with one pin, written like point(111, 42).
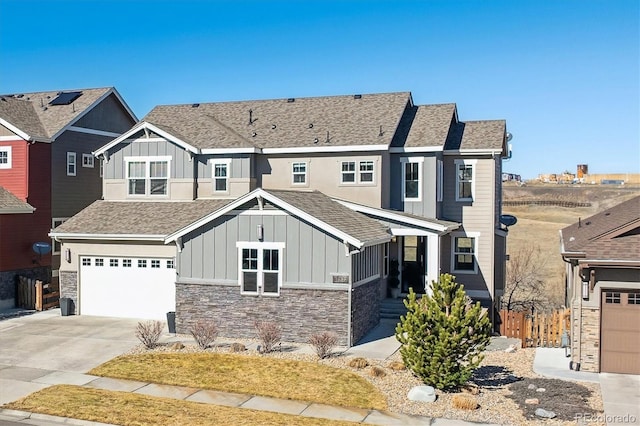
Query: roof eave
point(472, 151)
point(25, 210)
point(15, 130)
point(61, 236)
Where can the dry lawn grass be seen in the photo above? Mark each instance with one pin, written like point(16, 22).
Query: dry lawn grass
point(124, 408)
point(541, 225)
point(254, 375)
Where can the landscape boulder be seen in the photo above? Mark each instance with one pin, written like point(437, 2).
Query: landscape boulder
point(422, 394)
point(540, 412)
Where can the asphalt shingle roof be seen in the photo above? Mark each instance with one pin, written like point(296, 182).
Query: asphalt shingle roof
point(280, 123)
point(431, 125)
point(31, 112)
point(332, 213)
point(613, 234)
point(158, 218)
point(9, 202)
point(486, 134)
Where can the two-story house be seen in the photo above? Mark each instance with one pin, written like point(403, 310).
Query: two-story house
point(288, 210)
point(46, 163)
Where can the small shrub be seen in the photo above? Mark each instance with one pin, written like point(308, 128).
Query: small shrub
point(378, 371)
point(269, 334)
point(177, 346)
point(397, 366)
point(237, 347)
point(358, 363)
point(204, 333)
point(148, 333)
point(323, 343)
point(464, 401)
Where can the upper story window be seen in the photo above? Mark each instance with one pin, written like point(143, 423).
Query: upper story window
point(260, 268)
point(71, 163)
point(55, 222)
point(366, 171)
point(5, 157)
point(87, 160)
point(412, 178)
point(348, 174)
point(147, 176)
point(299, 173)
point(464, 254)
point(221, 175)
point(465, 183)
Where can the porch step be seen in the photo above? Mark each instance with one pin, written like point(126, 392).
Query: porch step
point(392, 309)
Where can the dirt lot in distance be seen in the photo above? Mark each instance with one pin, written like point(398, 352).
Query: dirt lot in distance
point(541, 225)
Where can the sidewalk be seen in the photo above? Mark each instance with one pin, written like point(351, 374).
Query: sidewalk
point(252, 402)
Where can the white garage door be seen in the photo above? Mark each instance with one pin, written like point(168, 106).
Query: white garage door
point(127, 287)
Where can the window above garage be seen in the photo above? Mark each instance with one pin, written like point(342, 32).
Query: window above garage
point(147, 176)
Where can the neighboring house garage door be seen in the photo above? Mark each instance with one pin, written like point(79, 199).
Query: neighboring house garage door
point(620, 332)
point(127, 287)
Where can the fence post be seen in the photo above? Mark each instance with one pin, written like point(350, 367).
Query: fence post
point(38, 295)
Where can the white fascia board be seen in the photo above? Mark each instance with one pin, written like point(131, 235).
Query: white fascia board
point(15, 130)
point(259, 192)
point(385, 214)
point(117, 237)
point(140, 126)
point(231, 151)
point(404, 150)
point(472, 151)
point(317, 149)
point(92, 131)
point(610, 262)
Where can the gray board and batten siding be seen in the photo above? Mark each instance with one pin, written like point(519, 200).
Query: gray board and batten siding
point(182, 165)
point(240, 165)
point(311, 255)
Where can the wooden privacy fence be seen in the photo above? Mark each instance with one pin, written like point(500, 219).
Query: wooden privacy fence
point(536, 329)
point(34, 294)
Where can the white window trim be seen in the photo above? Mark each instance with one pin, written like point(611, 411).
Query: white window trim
point(61, 220)
point(90, 162)
point(147, 188)
point(373, 172)
point(260, 246)
point(305, 174)
point(473, 164)
point(355, 173)
point(404, 161)
point(440, 181)
point(476, 241)
point(214, 163)
point(6, 149)
point(71, 161)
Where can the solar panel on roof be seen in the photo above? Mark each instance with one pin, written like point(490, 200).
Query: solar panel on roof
point(65, 98)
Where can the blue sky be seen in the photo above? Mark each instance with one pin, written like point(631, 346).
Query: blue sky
point(564, 74)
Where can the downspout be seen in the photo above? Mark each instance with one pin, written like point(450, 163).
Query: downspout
point(577, 338)
point(349, 291)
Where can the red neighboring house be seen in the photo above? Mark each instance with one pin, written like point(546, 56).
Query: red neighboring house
point(48, 172)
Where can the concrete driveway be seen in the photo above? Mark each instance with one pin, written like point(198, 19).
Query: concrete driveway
point(45, 348)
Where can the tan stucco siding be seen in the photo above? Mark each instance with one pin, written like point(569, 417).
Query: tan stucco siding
point(324, 175)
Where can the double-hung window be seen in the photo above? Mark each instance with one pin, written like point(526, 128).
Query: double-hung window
point(464, 180)
point(5, 157)
point(147, 176)
point(71, 163)
point(55, 222)
point(464, 253)
point(348, 174)
point(299, 173)
point(366, 171)
point(412, 178)
point(260, 268)
point(221, 175)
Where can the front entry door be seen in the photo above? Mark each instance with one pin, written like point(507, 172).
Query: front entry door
point(413, 266)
